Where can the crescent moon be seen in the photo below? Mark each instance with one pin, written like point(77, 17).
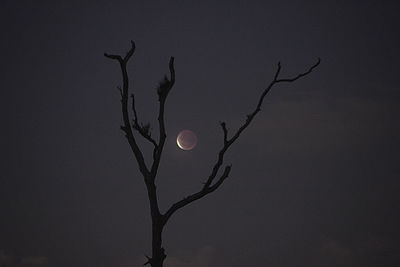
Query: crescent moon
point(186, 140)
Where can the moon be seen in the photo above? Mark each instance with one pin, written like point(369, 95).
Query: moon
point(186, 140)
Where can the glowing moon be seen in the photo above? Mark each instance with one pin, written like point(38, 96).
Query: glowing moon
point(186, 140)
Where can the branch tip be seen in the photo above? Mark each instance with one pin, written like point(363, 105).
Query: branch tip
point(225, 130)
point(172, 70)
point(300, 74)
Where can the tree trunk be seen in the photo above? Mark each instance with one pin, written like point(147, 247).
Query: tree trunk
point(158, 253)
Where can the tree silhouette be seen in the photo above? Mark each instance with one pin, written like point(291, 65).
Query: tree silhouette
point(213, 182)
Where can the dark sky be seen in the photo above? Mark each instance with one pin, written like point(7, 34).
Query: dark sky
point(315, 178)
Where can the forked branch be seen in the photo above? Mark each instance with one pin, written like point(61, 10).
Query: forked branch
point(126, 127)
point(209, 186)
point(191, 198)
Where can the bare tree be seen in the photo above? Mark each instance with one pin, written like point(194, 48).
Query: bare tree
point(213, 182)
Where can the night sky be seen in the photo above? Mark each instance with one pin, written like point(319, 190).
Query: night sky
point(314, 180)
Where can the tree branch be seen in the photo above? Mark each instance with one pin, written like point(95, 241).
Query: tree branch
point(127, 128)
point(163, 90)
point(223, 126)
point(265, 92)
point(130, 52)
point(191, 198)
point(299, 75)
point(143, 129)
point(116, 57)
point(208, 186)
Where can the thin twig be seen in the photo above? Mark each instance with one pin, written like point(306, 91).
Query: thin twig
point(143, 130)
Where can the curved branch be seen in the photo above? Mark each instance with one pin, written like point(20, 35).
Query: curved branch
point(191, 198)
point(127, 128)
point(265, 92)
point(208, 186)
point(130, 52)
